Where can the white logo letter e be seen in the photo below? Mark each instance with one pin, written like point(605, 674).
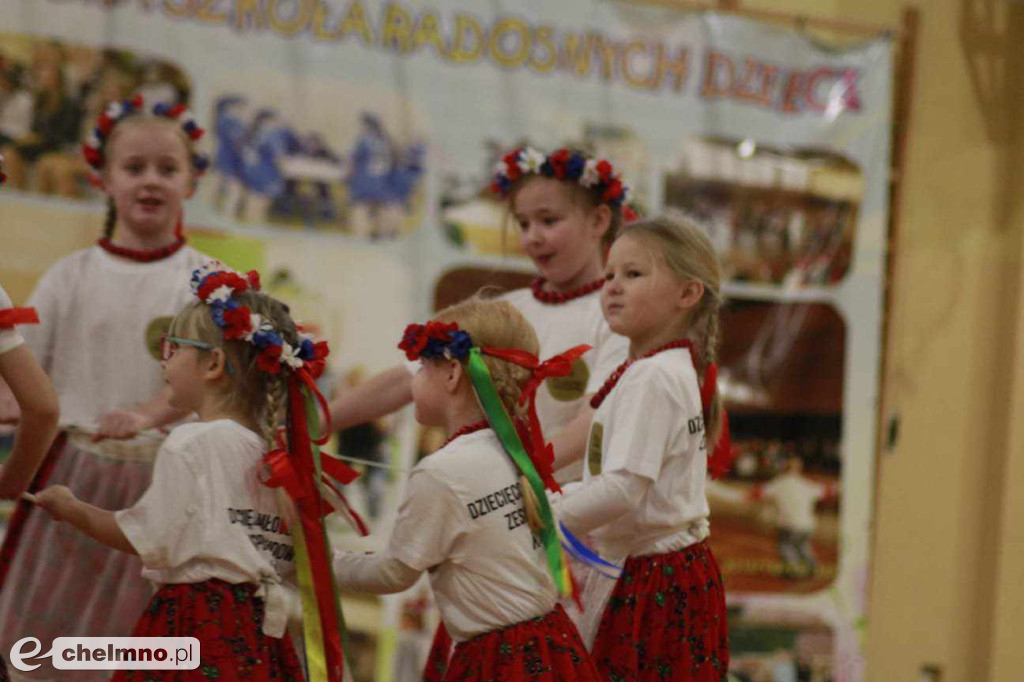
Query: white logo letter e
point(17, 656)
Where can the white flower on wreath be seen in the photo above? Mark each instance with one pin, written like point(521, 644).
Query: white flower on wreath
point(114, 110)
point(590, 175)
point(290, 356)
point(221, 293)
point(255, 321)
point(501, 168)
point(531, 160)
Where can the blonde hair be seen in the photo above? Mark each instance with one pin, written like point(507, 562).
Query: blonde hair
point(257, 393)
point(498, 324)
point(135, 119)
point(686, 250)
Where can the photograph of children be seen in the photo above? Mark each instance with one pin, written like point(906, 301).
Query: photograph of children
point(776, 512)
point(782, 218)
point(476, 219)
point(773, 644)
point(51, 94)
point(271, 167)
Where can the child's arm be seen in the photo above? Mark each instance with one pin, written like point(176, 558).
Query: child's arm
point(376, 397)
point(601, 501)
point(152, 414)
point(373, 573)
point(571, 442)
point(429, 519)
point(99, 524)
point(40, 412)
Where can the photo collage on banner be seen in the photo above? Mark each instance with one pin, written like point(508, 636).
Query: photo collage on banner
point(352, 146)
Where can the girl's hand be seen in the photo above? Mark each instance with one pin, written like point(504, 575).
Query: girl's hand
point(122, 424)
point(57, 500)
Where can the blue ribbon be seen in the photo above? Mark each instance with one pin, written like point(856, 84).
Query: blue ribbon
point(587, 556)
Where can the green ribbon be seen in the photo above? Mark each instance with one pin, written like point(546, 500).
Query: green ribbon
point(502, 424)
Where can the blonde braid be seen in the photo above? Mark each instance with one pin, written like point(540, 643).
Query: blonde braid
point(272, 410)
point(708, 354)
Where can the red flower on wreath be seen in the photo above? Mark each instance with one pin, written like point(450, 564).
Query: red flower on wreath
point(559, 161)
point(219, 279)
point(269, 360)
point(604, 169)
point(417, 336)
point(613, 191)
point(237, 322)
point(512, 165)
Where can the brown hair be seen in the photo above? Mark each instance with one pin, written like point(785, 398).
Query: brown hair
point(257, 393)
point(686, 249)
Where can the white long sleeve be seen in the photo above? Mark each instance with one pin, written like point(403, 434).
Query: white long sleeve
point(373, 573)
point(601, 501)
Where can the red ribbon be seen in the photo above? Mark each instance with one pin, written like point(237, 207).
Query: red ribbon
point(12, 316)
point(294, 470)
point(541, 453)
point(722, 456)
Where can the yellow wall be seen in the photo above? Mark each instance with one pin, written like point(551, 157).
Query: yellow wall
point(947, 586)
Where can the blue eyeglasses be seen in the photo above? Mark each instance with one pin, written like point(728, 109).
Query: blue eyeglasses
point(169, 346)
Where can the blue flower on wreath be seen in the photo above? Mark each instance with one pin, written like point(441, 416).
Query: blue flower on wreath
point(460, 344)
point(575, 166)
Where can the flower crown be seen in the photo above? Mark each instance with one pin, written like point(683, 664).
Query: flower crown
point(117, 111)
point(215, 285)
point(435, 340)
point(592, 174)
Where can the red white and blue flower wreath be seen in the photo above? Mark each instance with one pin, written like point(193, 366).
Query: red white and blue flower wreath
point(594, 174)
point(435, 340)
point(215, 285)
point(116, 111)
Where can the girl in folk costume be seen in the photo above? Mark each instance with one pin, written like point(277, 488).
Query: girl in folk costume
point(210, 534)
point(33, 393)
point(642, 500)
point(102, 312)
point(475, 514)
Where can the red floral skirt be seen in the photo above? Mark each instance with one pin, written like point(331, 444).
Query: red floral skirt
point(546, 648)
point(227, 620)
point(437, 659)
point(665, 620)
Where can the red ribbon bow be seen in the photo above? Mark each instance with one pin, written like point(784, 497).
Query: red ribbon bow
point(542, 454)
point(12, 316)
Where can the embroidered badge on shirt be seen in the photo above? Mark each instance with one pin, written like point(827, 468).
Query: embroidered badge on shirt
point(572, 387)
point(594, 448)
point(155, 330)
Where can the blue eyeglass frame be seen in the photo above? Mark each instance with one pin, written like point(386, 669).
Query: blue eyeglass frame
point(201, 345)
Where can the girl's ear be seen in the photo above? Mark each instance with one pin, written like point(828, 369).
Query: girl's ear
point(691, 294)
point(601, 220)
point(454, 375)
point(216, 365)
